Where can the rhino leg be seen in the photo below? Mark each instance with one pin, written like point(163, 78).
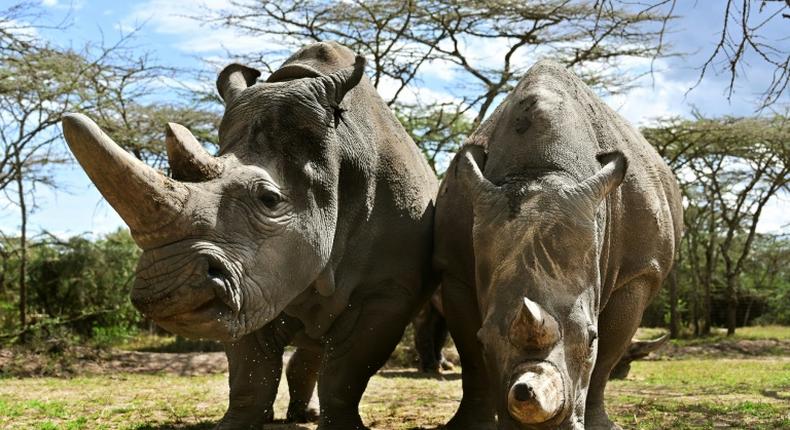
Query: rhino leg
point(476, 411)
point(428, 326)
point(255, 364)
point(358, 344)
point(302, 374)
point(616, 326)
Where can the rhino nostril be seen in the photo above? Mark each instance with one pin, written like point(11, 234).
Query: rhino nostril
point(216, 271)
point(523, 392)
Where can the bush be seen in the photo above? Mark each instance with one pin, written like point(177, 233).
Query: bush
point(78, 284)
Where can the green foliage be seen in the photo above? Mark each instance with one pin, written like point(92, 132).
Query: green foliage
point(728, 169)
point(439, 131)
point(78, 286)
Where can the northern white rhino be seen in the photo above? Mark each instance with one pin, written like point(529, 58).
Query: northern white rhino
point(555, 227)
point(316, 214)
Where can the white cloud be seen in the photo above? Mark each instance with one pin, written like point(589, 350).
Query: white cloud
point(646, 103)
point(192, 36)
point(49, 3)
point(775, 218)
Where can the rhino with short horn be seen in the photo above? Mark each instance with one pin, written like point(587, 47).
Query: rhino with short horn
point(313, 222)
point(555, 227)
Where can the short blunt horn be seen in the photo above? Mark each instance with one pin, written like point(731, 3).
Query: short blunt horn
point(188, 160)
point(533, 327)
point(537, 395)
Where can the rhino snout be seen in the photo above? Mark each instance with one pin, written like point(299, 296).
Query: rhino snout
point(537, 393)
point(163, 293)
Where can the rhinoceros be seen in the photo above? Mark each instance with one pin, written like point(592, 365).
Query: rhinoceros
point(555, 226)
point(314, 222)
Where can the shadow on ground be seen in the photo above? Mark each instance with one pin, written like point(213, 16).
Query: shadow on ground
point(208, 425)
point(415, 374)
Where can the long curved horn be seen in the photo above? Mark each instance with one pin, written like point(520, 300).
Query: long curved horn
point(188, 160)
point(146, 199)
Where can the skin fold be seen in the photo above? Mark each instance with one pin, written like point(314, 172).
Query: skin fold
point(555, 226)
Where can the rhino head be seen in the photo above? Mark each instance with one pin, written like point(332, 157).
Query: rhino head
point(229, 240)
point(537, 245)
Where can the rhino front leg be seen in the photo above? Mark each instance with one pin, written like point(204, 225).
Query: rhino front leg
point(476, 411)
point(255, 364)
point(359, 343)
point(616, 326)
point(302, 374)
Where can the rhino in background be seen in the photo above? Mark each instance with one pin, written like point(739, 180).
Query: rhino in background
point(313, 223)
point(555, 227)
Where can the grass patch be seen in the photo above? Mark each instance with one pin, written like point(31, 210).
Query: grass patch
point(770, 332)
point(677, 394)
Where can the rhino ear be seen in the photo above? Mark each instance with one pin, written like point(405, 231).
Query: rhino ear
point(612, 173)
point(339, 83)
point(468, 169)
point(234, 79)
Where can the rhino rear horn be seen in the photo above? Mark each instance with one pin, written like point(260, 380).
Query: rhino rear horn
point(234, 79)
point(533, 327)
point(188, 160)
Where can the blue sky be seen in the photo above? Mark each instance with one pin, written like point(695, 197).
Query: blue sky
point(176, 40)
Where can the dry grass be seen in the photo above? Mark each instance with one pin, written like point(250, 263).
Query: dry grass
point(678, 394)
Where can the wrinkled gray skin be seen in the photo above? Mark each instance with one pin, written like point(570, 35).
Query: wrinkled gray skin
point(313, 225)
point(555, 226)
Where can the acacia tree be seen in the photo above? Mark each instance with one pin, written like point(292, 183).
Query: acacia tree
point(40, 81)
point(743, 39)
point(730, 169)
point(485, 44)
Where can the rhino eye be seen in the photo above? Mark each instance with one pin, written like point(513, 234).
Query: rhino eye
point(270, 198)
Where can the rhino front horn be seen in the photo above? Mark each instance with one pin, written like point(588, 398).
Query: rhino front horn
point(188, 160)
point(537, 395)
point(533, 327)
point(146, 199)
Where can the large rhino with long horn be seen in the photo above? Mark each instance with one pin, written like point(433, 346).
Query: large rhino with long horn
point(555, 227)
point(314, 222)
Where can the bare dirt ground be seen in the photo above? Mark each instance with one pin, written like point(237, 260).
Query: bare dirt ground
point(732, 384)
point(87, 361)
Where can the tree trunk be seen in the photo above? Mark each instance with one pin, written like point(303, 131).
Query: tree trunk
point(707, 309)
point(748, 311)
point(674, 329)
point(732, 304)
point(22, 253)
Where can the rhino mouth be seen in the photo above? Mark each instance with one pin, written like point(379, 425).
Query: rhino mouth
point(200, 299)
